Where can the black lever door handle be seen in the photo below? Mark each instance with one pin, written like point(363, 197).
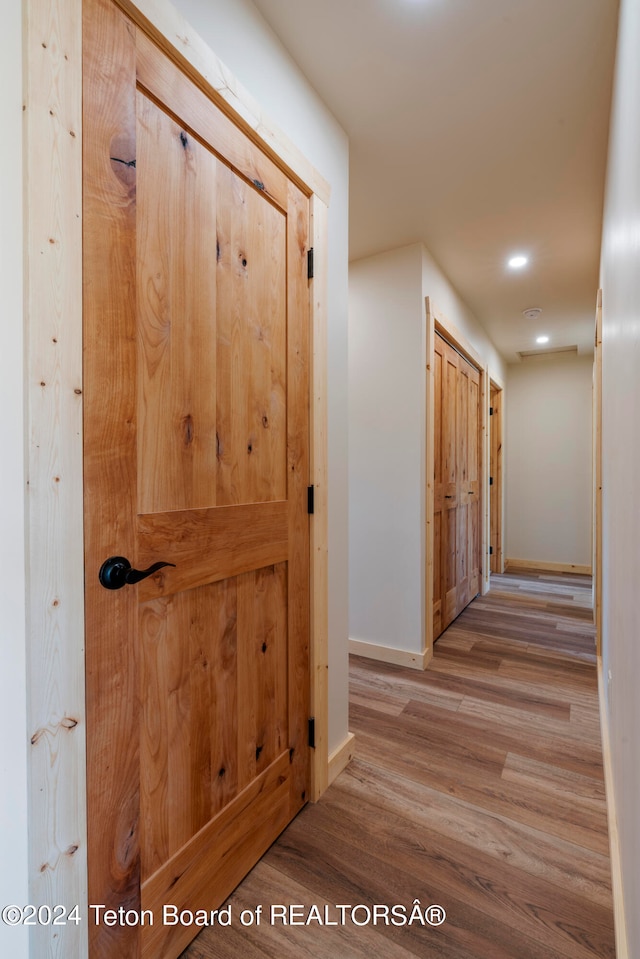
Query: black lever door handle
point(117, 572)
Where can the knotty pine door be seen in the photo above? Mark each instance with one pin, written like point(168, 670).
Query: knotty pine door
point(196, 309)
point(457, 461)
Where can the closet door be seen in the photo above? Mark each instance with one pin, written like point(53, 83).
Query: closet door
point(457, 484)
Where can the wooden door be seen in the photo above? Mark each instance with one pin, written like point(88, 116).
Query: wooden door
point(457, 531)
point(196, 454)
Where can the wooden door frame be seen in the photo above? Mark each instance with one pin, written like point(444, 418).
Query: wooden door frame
point(436, 322)
point(52, 58)
point(496, 470)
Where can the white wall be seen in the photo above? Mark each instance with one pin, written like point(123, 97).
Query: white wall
point(385, 416)
point(240, 37)
point(13, 722)
point(387, 428)
point(620, 281)
point(548, 460)
point(446, 299)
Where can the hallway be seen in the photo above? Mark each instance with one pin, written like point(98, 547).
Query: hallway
point(477, 786)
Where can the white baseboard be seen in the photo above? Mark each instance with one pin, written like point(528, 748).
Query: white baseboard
point(387, 654)
point(548, 567)
point(622, 949)
point(340, 758)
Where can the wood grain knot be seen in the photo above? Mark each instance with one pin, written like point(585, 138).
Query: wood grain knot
point(187, 425)
point(127, 163)
point(122, 155)
point(68, 722)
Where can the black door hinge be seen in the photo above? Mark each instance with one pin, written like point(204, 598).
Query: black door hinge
point(310, 503)
point(491, 481)
point(312, 733)
point(491, 411)
point(310, 264)
point(491, 551)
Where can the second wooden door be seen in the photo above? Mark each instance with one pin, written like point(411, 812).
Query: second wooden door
point(457, 488)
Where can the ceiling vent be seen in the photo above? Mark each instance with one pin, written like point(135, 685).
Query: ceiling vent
point(532, 313)
point(527, 354)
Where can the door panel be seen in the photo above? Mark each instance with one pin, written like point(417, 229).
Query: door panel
point(251, 436)
point(176, 288)
point(450, 424)
point(438, 611)
point(193, 760)
point(472, 482)
point(197, 454)
point(462, 556)
point(462, 485)
point(450, 485)
point(450, 562)
point(193, 261)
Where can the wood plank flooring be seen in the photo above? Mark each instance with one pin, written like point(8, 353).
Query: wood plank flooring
point(477, 786)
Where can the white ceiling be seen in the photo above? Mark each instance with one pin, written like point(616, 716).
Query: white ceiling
point(480, 128)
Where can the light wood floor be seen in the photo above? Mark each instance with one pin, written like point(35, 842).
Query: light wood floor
point(478, 786)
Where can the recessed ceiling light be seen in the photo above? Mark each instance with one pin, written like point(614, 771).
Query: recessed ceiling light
point(542, 339)
point(518, 261)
